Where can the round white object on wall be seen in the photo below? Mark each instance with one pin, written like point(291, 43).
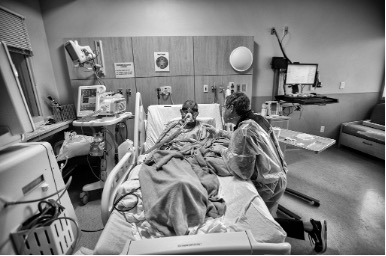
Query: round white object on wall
point(241, 59)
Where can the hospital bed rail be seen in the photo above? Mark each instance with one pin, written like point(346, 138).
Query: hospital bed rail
point(121, 171)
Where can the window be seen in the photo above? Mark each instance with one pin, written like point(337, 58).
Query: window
point(14, 33)
point(21, 63)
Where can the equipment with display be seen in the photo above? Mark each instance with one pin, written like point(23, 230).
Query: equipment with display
point(79, 54)
point(94, 100)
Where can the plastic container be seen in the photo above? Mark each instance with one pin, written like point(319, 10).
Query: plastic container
point(64, 112)
point(54, 239)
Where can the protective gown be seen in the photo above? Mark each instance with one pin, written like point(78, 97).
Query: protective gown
point(255, 154)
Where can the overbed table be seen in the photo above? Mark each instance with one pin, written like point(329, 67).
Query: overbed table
point(305, 141)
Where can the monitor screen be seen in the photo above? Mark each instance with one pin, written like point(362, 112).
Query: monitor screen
point(71, 51)
point(301, 73)
point(88, 100)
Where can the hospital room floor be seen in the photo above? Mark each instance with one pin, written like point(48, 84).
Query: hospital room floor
point(350, 186)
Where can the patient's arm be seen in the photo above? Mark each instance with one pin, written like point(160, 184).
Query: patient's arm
point(217, 132)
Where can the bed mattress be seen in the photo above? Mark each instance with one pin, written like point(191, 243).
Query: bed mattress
point(245, 210)
point(365, 132)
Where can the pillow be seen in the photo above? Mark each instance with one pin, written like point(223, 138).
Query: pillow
point(206, 120)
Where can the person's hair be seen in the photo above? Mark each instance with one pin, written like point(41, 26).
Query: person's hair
point(190, 103)
point(240, 102)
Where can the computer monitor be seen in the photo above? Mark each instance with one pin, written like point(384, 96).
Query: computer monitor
point(302, 74)
point(89, 99)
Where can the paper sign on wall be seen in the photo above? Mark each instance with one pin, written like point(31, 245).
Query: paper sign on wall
point(124, 69)
point(161, 61)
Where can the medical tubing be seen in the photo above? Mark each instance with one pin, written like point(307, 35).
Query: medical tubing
point(123, 196)
point(91, 231)
point(281, 47)
point(46, 216)
point(92, 170)
point(160, 143)
point(115, 143)
point(39, 199)
point(119, 130)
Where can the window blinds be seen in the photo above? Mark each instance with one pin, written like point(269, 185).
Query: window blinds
point(14, 32)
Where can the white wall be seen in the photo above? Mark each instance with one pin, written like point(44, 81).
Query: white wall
point(346, 37)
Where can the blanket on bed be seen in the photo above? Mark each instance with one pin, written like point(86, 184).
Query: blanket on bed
point(180, 188)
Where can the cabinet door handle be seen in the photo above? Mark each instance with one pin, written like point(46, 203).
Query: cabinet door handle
point(364, 142)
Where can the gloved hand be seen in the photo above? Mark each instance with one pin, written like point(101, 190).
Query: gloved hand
point(211, 129)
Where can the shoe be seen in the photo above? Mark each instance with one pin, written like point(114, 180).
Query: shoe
point(318, 235)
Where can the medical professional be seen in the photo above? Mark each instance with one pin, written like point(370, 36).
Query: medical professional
point(254, 154)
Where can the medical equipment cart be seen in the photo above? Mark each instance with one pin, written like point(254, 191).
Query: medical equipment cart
point(107, 125)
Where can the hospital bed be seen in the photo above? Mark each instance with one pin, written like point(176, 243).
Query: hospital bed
point(247, 226)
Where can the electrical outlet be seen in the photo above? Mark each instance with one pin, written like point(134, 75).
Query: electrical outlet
point(322, 128)
point(205, 88)
point(273, 31)
point(120, 90)
point(244, 87)
point(342, 85)
point(285, 30)
point(166, 90)
point(238, 88)
point(231, 86)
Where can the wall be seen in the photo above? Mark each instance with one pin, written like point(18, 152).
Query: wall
point(346, 38)
point(41, 62)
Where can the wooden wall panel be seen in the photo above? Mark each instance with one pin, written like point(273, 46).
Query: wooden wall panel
point(115, 50)
point(182, 89)
point(180, 55)
point(220, 82)
point(211, 54)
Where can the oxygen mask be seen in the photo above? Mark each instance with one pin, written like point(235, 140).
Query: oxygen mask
point(189, 118)
point(189, 113)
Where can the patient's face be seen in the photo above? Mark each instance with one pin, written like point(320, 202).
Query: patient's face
point(190, 111)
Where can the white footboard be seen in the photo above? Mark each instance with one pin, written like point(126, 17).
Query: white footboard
point(115, 178)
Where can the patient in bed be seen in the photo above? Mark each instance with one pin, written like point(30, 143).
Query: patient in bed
point(179, 186)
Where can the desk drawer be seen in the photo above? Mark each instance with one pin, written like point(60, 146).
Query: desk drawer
point(369, 147)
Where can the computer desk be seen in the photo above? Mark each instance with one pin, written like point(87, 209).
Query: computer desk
point(305, 141)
